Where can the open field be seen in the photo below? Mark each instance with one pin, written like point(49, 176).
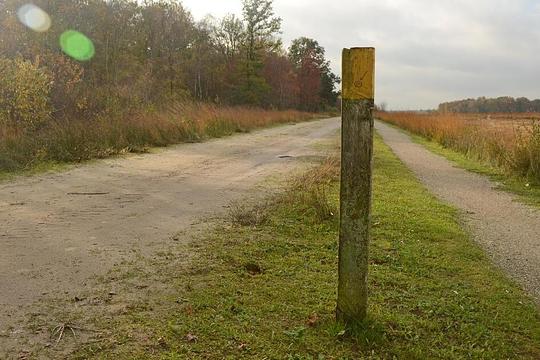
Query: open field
point(265, 288)
point(508, 141)
point(503, 123)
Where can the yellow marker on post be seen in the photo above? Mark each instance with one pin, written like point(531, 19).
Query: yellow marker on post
point(358, 80)
point(359, 73)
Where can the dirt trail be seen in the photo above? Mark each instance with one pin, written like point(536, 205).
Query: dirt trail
point(508, 230)
point(59, 230)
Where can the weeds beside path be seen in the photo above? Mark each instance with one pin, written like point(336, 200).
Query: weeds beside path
point(72, 141)
point(506, 148)
point(527, 192)
point(268, 290)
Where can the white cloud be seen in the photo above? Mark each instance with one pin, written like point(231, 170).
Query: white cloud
point(218, 8)
point(427, 51)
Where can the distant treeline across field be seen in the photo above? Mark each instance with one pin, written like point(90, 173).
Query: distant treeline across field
point(505, 104)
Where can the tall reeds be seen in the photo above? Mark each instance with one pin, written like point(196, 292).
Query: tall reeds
point(68, 140)
point(507, 141)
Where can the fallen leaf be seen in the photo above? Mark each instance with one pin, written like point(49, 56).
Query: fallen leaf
point(24, 355)
point(312, 320)
point(191, 338)
point(162, 342)
point(188, 309)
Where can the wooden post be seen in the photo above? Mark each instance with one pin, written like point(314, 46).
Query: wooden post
point(356, 166)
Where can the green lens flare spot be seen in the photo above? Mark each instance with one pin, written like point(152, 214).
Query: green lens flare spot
point(77, 45)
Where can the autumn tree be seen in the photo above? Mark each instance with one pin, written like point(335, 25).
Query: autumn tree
point(262, 27)
point(24, 94)
point(229, 36)
point(280, 75)
point(317, 82)
point(151, 53)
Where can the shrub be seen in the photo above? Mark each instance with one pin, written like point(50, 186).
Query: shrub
point(24, 94)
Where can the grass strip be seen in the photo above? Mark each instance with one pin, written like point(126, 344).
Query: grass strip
point(268, 290)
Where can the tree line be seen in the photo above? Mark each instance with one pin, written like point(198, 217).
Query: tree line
point(504, 104)
point(151, 53)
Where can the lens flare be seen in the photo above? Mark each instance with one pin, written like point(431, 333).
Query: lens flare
point(77, 45)
point(34, 17)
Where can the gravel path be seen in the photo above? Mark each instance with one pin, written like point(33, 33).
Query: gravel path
point(508, 230)
point(59, 231)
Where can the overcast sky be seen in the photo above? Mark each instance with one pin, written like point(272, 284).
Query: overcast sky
point(428, 51)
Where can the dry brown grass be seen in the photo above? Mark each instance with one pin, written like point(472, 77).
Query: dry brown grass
point(311, 189)
point(70, 140)
point(308, 192)
point(509, 141)
point(242, 214)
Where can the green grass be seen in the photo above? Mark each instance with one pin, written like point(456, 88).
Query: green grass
point(434, 293)
point(40, 168)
